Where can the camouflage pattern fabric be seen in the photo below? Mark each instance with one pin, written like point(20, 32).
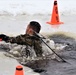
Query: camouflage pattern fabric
point(28, 40)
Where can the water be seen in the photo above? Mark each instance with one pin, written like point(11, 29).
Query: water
point(14, 18)
point(47, 66)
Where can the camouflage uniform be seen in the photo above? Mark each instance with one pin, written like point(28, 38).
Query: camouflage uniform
point(28, 41)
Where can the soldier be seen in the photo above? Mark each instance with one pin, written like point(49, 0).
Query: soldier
point(28, 39)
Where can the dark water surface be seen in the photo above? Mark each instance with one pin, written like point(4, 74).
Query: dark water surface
point(53, 66)
point(69, 54)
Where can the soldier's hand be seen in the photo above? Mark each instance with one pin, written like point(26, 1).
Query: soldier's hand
point(4, 37)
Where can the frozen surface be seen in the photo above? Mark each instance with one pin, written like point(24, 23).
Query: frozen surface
point(14, 18)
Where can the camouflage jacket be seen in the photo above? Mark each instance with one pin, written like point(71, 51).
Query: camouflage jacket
point(28, 40)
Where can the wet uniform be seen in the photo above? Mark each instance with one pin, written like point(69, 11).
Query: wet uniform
point(28, 41)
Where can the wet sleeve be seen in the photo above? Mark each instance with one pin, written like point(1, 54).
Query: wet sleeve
point(22, 40)
point(18, 39)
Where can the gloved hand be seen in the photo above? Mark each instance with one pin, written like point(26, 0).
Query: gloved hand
point(4, 37)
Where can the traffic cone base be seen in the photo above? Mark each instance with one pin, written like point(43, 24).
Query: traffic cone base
point(55, 23)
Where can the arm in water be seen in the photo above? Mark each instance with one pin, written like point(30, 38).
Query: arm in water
point(25, 40)
point(20, 39)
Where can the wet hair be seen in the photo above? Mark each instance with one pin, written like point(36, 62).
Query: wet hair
point(35, 26)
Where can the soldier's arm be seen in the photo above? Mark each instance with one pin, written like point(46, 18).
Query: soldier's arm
point(20, 39)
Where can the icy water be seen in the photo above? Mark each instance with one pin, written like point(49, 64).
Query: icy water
point(13, 26)
point(14, 18)
point(8, 66)
point(47, 66)
point(68, 54)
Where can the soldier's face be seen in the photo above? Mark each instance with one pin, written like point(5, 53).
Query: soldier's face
point(29, 30)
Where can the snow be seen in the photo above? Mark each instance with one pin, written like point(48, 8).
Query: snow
point(16, 14)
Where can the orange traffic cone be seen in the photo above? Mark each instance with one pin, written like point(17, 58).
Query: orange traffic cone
point(19, 70)
point(55, 16)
